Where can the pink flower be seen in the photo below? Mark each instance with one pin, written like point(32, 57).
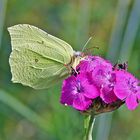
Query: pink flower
point(104, 78)
point(90, 62)
point(78, 92)
point(127, 88)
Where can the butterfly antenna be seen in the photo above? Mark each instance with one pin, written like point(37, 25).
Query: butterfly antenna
point(86, 44)
point(92, 48)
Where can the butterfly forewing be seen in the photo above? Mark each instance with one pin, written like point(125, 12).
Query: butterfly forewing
point(37, 59)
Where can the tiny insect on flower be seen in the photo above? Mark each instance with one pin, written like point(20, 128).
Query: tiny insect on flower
point(119, 66)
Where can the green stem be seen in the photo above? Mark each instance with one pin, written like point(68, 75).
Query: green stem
point(88, 124)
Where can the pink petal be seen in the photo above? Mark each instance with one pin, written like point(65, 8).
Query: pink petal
point(67, 95)
point(89, 63)
point(121, 88)
point(131, 102)
point(81, 102)
point(107, 95)
point(91, 91)
point(138, 95)
point(120, 91)
point(101, 75)
point(138, 92)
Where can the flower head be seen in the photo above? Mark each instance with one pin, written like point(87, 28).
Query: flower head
point(127, 88)
point(78, 92)
point(100, 86)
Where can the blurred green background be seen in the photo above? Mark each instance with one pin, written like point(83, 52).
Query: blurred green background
point(28, 114)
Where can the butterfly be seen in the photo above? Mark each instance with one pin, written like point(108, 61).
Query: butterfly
point(38, 59)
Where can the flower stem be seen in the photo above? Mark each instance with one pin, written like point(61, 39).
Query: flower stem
point(88, 125)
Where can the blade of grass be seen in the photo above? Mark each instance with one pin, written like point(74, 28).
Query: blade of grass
point(117, 31)
point(131, 32)
point(22, 109)
point(3, 4)
point(83, 24)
